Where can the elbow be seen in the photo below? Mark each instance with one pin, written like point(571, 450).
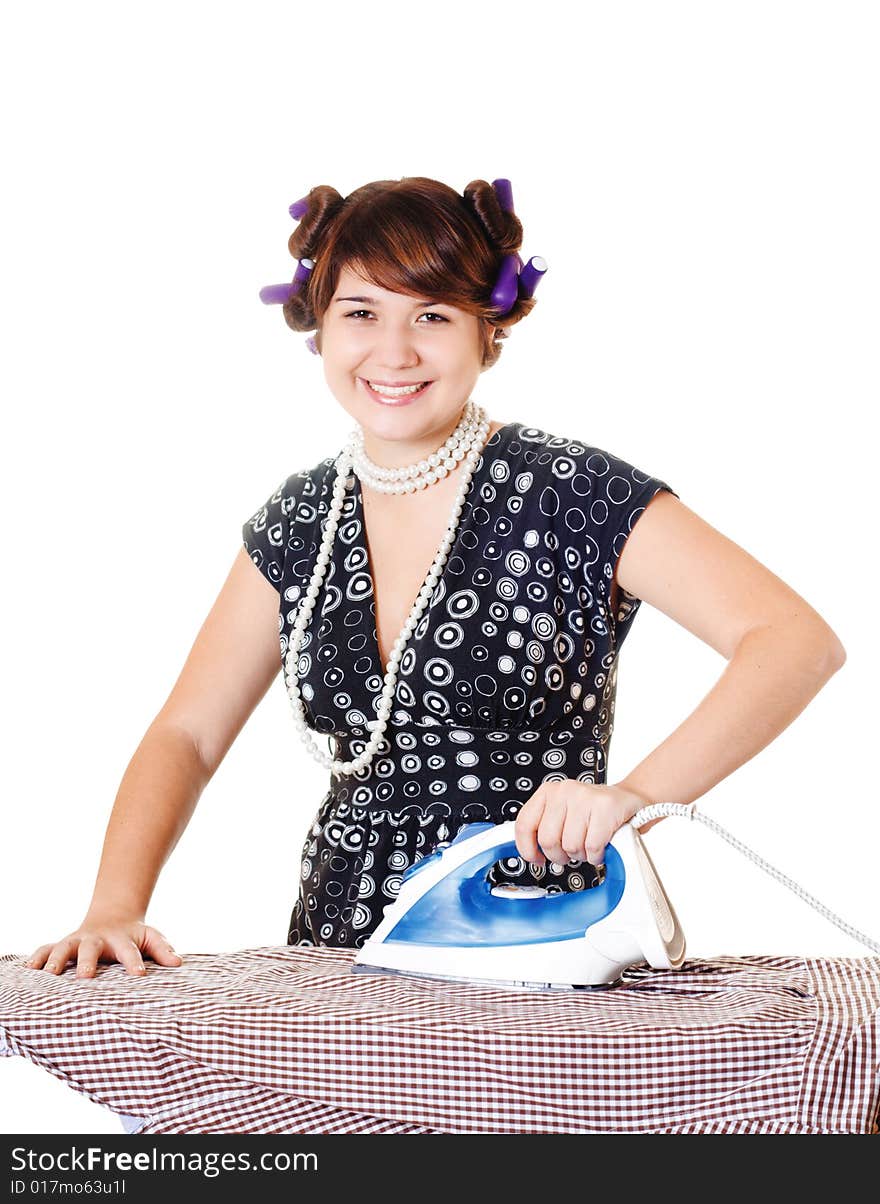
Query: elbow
point(828, 648)
point(836, 654)
point(814, 640)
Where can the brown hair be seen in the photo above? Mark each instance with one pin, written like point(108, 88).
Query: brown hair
point(415, 236)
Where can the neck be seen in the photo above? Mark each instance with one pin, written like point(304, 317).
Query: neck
point(398, 453)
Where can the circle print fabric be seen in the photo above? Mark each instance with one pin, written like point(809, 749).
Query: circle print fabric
point(508, 681)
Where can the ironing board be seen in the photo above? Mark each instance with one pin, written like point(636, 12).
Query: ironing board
point(287, 1040)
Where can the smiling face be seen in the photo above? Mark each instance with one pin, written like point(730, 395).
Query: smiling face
point(372, 336)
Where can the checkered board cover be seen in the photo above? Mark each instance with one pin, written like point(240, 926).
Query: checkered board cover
point(288, 1040)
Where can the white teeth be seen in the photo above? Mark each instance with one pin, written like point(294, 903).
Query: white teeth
point(390, 391)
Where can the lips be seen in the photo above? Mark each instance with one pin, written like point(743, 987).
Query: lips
point(396, 384)
point(401, 400)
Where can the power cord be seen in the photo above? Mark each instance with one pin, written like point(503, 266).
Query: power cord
point(688, 810)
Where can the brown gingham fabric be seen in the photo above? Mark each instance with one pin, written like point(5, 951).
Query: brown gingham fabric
point(288, 1040)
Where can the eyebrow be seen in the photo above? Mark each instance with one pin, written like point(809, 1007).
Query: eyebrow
point(373, 301)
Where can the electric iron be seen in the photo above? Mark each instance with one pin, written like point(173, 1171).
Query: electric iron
point(448, 921)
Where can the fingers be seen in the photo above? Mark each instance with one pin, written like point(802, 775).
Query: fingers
point(87, 961)
point(120, 947)
point(596, 853)
point(160, 949)
point(526, 826)
point(37, 959)
point(550, 832)
point(561, 823)
point(114, 945)
point(52, 958)
point(575, 836)
point(568, 834)
point(583, 839)
point(552, 829)
point(128, 954)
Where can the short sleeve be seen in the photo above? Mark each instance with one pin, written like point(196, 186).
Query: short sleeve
point(266, 534)
point(621, 493)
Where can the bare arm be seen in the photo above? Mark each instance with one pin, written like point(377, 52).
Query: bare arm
point(232, 663)
point(780, 651)
point(156, 799)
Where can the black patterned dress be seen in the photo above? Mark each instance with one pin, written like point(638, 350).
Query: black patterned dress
point(508, 680)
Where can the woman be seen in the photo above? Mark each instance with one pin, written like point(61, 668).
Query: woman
point(455, 636)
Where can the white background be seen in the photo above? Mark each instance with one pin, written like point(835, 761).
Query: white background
point(702, 180)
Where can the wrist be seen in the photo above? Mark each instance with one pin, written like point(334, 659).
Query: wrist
point(115, 908)
point(635, 801)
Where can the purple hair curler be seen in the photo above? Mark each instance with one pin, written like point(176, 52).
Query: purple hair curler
point(513, 280)
point(277, 294)
point(530, 276)
point(504, 192)
point(298, 208)
point(504, 293)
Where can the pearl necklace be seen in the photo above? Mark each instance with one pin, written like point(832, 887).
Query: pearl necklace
point(465, 443)
point(425, 472)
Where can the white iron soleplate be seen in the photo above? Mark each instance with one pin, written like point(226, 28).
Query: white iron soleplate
point(498, 983)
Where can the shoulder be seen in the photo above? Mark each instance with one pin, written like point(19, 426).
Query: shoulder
point(285, 521)
point(295, 500)
point(300, 492)
point(576, 466)
point(303, 489)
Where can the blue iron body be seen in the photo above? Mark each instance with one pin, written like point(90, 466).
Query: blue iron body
point(450, 921)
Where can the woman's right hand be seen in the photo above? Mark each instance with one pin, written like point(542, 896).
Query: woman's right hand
point(106, 937)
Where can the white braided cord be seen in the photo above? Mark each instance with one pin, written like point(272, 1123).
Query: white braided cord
point(682, 810)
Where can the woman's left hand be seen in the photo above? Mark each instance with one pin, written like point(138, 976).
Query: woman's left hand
point(571, 820)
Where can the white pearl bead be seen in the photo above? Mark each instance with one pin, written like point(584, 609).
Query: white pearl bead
point(464, 444)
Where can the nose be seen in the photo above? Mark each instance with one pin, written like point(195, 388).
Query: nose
point(396, 347)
